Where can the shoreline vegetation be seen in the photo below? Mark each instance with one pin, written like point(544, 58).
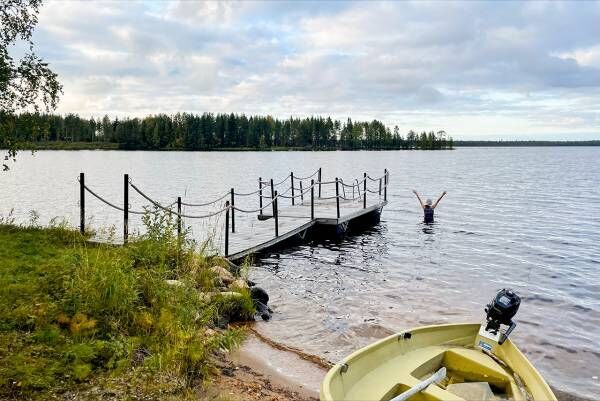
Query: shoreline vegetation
point(65, 145)
point(208, 131)
point(146, 321)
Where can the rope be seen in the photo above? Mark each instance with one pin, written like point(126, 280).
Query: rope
point(204, 204)
point(248, 193)
point(299, 195)
point(375, 179)
point(110, 204)
point(310, 176)
point(276, 184)
point(158, 205)
point(289, 176)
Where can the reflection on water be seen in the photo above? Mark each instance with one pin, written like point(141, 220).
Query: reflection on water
point(525, 218)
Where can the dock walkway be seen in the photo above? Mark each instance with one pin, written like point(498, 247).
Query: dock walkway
point(313, 207)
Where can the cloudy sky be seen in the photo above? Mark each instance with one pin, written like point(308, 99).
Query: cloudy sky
point(479, 70)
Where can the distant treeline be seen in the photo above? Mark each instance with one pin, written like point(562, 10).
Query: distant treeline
point(528, 143)
point(217, 131)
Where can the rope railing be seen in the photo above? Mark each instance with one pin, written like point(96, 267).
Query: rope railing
point(275, 184)
point(309, 177)
point(287, 177)
point(247, 193)
point(207, 203)
point(351, 185)
point(300, 195)
point(266, 190)
point(109, 203)
point(187, 216)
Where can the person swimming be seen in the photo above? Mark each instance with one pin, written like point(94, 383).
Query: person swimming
point(428, 207)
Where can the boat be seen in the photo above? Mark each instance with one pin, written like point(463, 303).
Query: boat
point(450, 362)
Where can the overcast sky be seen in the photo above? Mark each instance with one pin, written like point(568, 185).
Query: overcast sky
point(478, 70)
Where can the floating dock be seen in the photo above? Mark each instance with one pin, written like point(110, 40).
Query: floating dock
point(314, 208)
point(295, 225)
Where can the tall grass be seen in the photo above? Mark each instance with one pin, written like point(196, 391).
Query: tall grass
point(71, 312)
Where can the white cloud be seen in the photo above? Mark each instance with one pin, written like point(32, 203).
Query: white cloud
point(471, 68)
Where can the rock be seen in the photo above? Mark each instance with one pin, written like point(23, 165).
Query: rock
point(239, 284)
point(230, 294)
point(223, 274)
point(174, 283)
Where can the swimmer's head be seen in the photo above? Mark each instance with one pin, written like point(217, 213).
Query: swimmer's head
point(428, 202)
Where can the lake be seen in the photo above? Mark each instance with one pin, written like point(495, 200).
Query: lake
point(525, 218)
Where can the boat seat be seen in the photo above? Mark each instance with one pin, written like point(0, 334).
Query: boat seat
point(417, 365)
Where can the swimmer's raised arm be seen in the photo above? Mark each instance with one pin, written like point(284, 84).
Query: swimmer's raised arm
point(439, 199)
point(419, 198)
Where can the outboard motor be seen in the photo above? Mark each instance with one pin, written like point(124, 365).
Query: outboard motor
point(500, 311)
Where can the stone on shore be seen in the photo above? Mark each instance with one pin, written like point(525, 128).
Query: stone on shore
point(223, 274)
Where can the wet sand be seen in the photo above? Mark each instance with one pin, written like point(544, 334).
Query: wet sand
point(278, 367)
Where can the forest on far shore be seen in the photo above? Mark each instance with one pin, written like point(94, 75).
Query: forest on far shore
point(208, 131)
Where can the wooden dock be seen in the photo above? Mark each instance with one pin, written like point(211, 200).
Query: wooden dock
point(290, 210)
point(295, 224)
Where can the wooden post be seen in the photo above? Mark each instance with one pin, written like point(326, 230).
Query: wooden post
point(292, 181)
point(319, 175)
point(365, 191)
point(179, 215)
point(82, 203)
point(125, 208)
point(312, 199)
point(380, 187)
point(232, 211)
point(301, 193)
point(386, 184)
point(275, 214)
point(260, 195)
point(272, 189)
point(337, 197)
point(227, 229)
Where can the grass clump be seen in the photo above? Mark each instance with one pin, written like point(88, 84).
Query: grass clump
point(71, 312)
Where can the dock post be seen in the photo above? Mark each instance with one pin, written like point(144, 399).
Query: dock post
point(232, 211)
point(337, 197)
point(179, 215)
point(260, 196)
point(312, 199)
point(82, 203)
point(272, 189)
point(319, 175)
point(386, 184)
point(380, 187)
point(365, 191)
point(275, 214)
point(301, 193)
point(292, 183)
point(125, 208)
point(227, 229)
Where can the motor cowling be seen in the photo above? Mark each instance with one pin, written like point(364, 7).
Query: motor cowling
point(501, 310)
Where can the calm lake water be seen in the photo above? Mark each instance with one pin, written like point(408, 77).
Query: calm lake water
point(526, 218)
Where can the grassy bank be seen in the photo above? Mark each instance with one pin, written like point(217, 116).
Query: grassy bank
point(75, 316)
